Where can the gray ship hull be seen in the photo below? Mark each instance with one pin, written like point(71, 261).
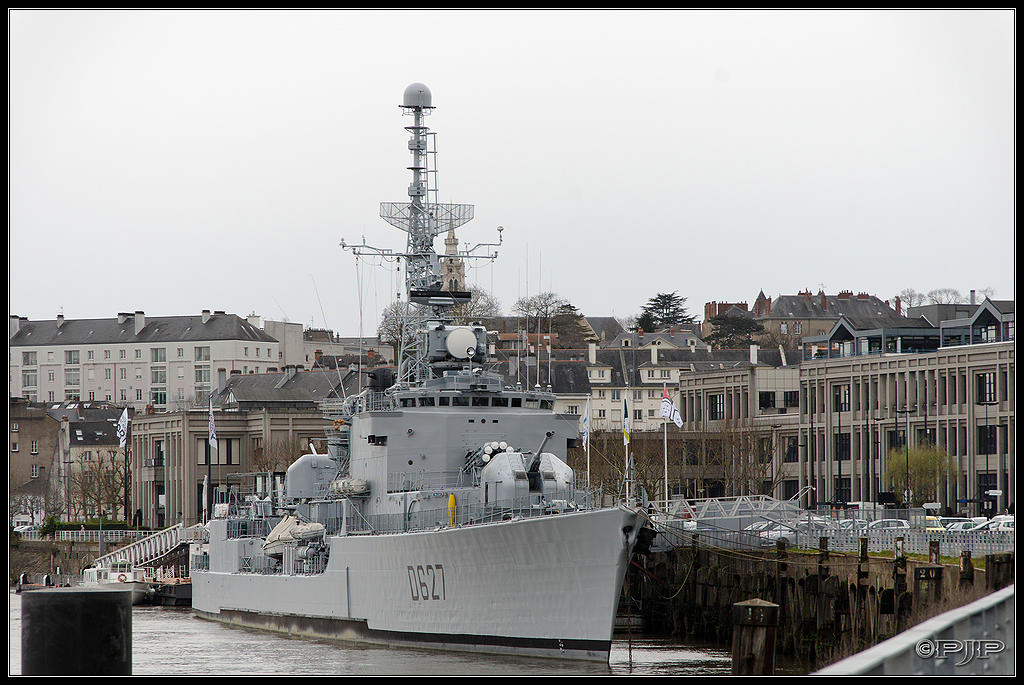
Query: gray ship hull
point(545, 586)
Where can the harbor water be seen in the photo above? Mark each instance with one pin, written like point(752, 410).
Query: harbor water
point(172, 641)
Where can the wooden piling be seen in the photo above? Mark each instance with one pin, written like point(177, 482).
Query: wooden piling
point(754, 624)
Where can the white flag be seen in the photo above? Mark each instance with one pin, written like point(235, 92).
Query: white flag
point(213, 431)
point(668, 409)
point(122, 427)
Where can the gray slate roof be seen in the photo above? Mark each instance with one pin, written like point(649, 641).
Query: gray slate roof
point(301, 389)
point(167, 329)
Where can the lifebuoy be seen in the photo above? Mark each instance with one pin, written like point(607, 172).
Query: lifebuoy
point(122, 577)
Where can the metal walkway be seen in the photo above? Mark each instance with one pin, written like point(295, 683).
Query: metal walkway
point(152, 550)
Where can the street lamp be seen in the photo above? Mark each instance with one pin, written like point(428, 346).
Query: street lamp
point(984, 493)
point(906, 441)
point(872, 473)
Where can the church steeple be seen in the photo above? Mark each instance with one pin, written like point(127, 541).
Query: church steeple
point(454, 269)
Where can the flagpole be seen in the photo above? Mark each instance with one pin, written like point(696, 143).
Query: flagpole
point(664, 429)
point(668, 411)
point(212, 445)
point(586, 446)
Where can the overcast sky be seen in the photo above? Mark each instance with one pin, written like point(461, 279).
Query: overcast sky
point(175, 161)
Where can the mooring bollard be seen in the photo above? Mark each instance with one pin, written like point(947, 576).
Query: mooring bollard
point(75, 631)
point(754, 624)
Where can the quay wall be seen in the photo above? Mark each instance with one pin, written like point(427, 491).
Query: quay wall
point(831, 605)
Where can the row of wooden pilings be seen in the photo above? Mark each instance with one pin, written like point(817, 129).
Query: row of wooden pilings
point(811, 608)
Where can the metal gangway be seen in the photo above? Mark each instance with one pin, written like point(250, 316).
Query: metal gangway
point(151, 550)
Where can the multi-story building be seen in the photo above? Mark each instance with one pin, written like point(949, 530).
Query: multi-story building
point(32, 443)
point(262, 423)
point(789, 318)
point(146, 363)
point(856, 394)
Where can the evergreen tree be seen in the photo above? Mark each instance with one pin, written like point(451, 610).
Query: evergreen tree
point(664, 310)
point(732, 332)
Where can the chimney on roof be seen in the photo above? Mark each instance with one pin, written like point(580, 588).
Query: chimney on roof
point(122, 317)
point(896, 305)
point(824, 300)
point(592, 352)
point(753, 354)
point(140, 321)
point(60, 320)
point(206, 315)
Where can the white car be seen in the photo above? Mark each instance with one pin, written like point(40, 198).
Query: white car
point(999, 523)
point(960, 526)
point(27, 529)
point(888, 524)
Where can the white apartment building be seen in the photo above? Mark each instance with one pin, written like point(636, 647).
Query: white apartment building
point(146, 363)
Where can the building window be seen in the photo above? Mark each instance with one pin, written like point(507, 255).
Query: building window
point(986, 440)
point(790, 456)
point(71, 357)
point(842, 446)
point(72, 377)
point(202, 354)
point(791, 399)
point(842, 398)
point(986, 387)
point(158, 355)
point(29, 378)
point(28, 358)
point(716, 407)
point(766, 400)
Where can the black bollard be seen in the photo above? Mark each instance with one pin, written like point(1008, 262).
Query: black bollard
point(75, 631)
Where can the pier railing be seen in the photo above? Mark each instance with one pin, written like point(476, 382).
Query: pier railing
point(976, 639)
point(750, 523)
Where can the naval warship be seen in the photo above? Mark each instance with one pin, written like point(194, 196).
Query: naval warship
point(443, 514)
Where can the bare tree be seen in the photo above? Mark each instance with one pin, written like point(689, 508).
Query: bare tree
point(482, 305)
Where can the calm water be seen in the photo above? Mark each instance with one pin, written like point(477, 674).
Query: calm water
point(171, 641)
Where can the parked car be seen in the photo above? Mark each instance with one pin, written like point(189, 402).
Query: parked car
point(959, 526)
point(998, 523)
point(933, 524)
point(27, 529)
point(851, 524)
point(888, 524)
point(948, 521)
point(803, 530)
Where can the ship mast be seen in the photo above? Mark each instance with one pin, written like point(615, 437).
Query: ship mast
point(423, 218)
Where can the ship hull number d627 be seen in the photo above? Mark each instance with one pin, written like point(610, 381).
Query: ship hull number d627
point(426, 582)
